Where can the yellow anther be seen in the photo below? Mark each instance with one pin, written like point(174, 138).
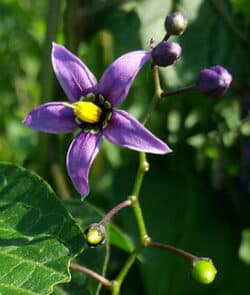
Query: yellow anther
point(86, 111)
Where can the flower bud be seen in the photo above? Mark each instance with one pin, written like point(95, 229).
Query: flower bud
point(214, 81)
point(204, 271)
point(166, 53)
point(175, 23)
point(95, 235)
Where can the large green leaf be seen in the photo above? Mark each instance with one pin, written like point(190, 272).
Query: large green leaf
point(38, 237)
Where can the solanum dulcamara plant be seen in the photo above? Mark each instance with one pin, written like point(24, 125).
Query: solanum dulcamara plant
point(92, 110)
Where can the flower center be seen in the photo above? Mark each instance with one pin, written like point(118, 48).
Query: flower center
point(92, 112)
point(87, 111)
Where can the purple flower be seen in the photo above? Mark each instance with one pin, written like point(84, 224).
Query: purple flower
point(92, 109)
point(214, 81)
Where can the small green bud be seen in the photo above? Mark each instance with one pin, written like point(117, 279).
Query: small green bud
point(204, 271)
point(95, 235)
point(175, 23)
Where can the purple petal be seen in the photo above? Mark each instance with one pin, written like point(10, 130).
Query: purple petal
point(51, 117)
point(117, 79)
point(81, 154)
point(72, 74)
point(126, 131)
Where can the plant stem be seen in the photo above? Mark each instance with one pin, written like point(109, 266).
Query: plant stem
point(157, 83)
point(181, 252)
point(116, 285)
point(91, 273)
point(114, 211)
point(144, 239)
point(142, 168)
point(166, 37)
point(105, 265)
point(178, 91)
point(134, 198)
point(157, 93)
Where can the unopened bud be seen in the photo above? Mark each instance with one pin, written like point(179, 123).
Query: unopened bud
point(214, 81)
point(166, 53)
point(175, 23)
point(95, 234)
point(204, 271)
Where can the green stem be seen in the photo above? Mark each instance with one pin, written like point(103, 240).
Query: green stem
point(105, 265)
point(143, 167)
point(144, 238)
point(134, 198)
point(116, 285)
point(157, 93)
point(157, 83)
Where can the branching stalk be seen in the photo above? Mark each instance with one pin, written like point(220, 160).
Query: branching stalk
point(92, 274)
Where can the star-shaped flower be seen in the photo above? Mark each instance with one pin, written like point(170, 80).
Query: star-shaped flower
point(92, 108)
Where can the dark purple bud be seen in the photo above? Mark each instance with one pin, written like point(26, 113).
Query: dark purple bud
point(166, 53)
point(214, 81)
point(175, 23)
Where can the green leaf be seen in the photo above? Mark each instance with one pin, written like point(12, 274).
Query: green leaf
point(38, 237)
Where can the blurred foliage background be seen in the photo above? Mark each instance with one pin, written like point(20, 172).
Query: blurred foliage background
point(197, 197)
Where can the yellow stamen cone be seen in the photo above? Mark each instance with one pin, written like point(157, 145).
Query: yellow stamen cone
point(86, 111)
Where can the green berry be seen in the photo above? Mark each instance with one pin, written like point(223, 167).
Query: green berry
point(95, 235)
point(204, 271)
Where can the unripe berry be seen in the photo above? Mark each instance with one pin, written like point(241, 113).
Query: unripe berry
point(175, 23)
point(166, 53)
point(95, 235)
point(214, 81)
point(204, 271)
